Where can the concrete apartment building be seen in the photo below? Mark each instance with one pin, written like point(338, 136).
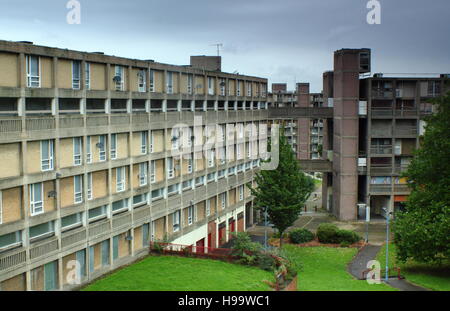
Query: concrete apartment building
point(371, 126)
point(88, 170)
point(304, 135)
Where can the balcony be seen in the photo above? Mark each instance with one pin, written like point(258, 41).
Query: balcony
point(380, 188)
point(406, 131)
point(412, 112)
point(380, 169)
point(381, 150)
point(381, 112)
point(382, 93)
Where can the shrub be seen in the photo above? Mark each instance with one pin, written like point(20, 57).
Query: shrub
point(243, 245)
point(302, 235)
point(347, 236)
point(345, 244)
point(266, 262)
point(276, 235)
point(327, 233)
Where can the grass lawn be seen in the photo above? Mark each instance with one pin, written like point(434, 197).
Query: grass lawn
point(172, 273)
point(325, 269)
point(426, 275)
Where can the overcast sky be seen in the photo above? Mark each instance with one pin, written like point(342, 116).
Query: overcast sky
point(282, 40)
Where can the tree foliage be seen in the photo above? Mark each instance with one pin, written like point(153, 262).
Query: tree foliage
point(283, 190)
point(422, 231)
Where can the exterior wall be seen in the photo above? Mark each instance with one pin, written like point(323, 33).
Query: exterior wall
point(11, 205)
point(17, 283)
point(66, 187)
point(100, 184)
point(33, 157)
point(66, 151)
point(10, 74)
point(64, 74)
point(47, 72)
point(97, 78)
point(10, 153)
point(159, 81)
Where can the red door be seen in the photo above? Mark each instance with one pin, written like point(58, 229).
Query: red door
point(200, 246)
point(210, 240)
point(231, 229)
point(222, 232)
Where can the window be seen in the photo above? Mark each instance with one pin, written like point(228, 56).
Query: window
point(170, 170)
point(141, 80)
point(190, 210)
point(113, 149)
point(175, 138)
point(221, 174)
point(238, 151)
point(88, 150)
point(249, 150)
point(98, 212)
point(169, 82)
point(152, 171)
point(211, 177)
point(223, 200)
point(190, 164)
point(78, 189)
point(77, 151)
point(231, 170)
point(222, 87)
point(102, 147)
point(120, 179)
point(145, 234)
point(42, 229)
point(76, 74)
point(87, 73)
point(176, 221)
point(11, 239)
point(71, 221)
point(143, 173)
point(240, 168)
point(249, 89)
point(241, 192)
point(33, 71)
point(120, 205)
point(222, 155)
point(173, 189)
point(189, 84)
point(36, 199)
point(46, 155)
point(187, 184)
point(157, 194)
point(140, 199)
point(200, 181)
point(144, 138)
point(208, 208)
point(238, 88)
point(210, 86)
point(152, 81)
point(152, 139)
point(119, 78)
point(90, 195)
point(211, 154)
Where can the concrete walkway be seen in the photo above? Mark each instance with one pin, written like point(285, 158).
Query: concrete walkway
point(359, 264)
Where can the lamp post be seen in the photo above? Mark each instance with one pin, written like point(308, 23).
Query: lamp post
point(388, 216)
point(265, 227)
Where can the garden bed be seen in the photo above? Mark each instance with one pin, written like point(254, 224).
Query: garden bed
point(314, 243)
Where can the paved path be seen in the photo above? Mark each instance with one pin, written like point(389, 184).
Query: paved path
point(359, 264)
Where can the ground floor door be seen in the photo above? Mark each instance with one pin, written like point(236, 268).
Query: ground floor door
point(200, 246)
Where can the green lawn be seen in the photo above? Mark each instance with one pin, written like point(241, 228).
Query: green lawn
point(426, 275)
point(172, 273)
point(325, 269)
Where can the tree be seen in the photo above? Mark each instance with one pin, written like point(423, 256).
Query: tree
point(422, 231)
point(283, 190)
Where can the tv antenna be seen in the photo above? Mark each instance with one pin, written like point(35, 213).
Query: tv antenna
point(218, 45)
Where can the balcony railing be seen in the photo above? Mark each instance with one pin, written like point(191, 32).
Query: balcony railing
point(381, 169)
point(382, 111)
point(406, 112)
point(384, 149)
point(380, 188)
point(408, 131)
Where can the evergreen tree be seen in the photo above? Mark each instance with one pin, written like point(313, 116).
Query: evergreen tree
point(284, 190)
point(422, 231)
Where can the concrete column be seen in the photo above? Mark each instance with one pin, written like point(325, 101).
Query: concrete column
point(55, 106)
point(225, 105)
point(147, 105)
point(21, 106)
point(129, 105)
point(205, 105)
point(83, 106)
point(179, 105)
point(192, 105)
point(108, 106)
point(164, 105)
point(216, 105)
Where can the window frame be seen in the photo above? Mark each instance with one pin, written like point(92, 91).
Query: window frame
point(33, 202)
point(143, 168)
point(176, 217)
point(31, 80)
point(77, 196)
point(113, 147)
point(76, 82)
point(51, 155)
point(77, 158)
point(120, 183)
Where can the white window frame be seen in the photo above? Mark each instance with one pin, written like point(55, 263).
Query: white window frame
point(190, 164)
point(170, 168)
point(211, 154)
point(102, 150)
point(176, 221)
point(223, 200)
point(33, 80)
point(144, 142)
point(161, 195)
point(142, 80)
point(87, 74)
point(241, 192)
point(210, 86)
point(47, 162)
point(76, 82)
point(152, 80)
point(152, 139)
point(143, 174)
point(249, 89)
point(77, 196)
point(175, 138)
point(120, 179)
point(191, 216)
point(222, 87)
point(120, 71)
point(88, 149)
point(89, 190)
point(208, 208)
point(238, 88)
point(36, 206)
point(152, 171)
point(113, 147)
point(190, 84)
point(169, 82)
point(77, 157)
